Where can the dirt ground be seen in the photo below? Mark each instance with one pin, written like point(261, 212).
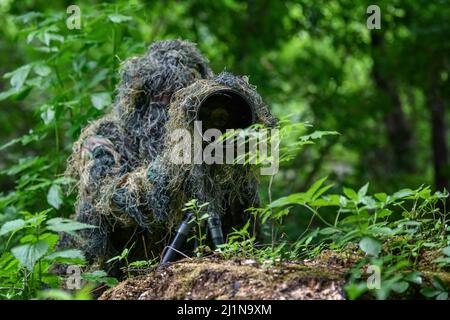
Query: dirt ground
point(214, 278)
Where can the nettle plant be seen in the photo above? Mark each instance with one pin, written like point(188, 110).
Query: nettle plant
point(390, 233)
point(67, 79)
point(24, 268)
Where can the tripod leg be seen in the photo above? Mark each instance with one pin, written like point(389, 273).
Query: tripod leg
point(215, 229)
point(178, 241)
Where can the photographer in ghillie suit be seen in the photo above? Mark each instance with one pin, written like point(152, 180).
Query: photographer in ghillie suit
point(127, 187)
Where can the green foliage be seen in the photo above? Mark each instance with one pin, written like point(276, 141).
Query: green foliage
point(391, 232)
point(124, 257)
point(199, 219)
point(370, 246)
point(445, 260)
point(312, 61)
point(239, 244)
point(99, 277)
point(29, 253)
point(439, 290)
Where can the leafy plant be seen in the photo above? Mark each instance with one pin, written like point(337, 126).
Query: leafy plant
point(390, 231)
point(25, 266)
point(199, 219)
point(99, 277)
point(439, 290)
point(239, 243)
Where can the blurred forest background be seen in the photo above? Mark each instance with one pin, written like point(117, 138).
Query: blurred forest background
point(385, 91)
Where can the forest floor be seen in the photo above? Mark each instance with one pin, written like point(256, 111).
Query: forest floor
point(217, 278)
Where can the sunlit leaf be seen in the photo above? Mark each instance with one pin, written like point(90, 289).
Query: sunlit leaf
point(18, 76)
point(118, 18)
point(54, 196)
point(370, 246)
point(12, 226)
point(351, 194)
point(66, 225)
point(29, 254)
point(42, 70)
point(101, 100)
point(67, 256)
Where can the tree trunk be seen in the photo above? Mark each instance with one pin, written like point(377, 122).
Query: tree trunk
point(438, 129)
point(398, 130)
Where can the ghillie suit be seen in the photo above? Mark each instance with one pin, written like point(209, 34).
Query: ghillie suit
point(127, 186)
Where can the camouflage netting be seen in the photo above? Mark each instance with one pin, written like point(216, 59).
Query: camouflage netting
point(126, 184)
point(228, 188)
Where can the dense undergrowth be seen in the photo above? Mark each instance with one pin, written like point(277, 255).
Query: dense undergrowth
point(400, 238)
point(399, 242)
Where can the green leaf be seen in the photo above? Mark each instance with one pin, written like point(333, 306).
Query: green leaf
point(12, 226)
point(381, 196)
point(402, 193)
point(51, 239)
point(327, 200)
point(6, 94)
point(438, 283)
point(98, 77)
point(414, 277)
point(442, 261)
point(329, 230)
point(400, 287)
point(428, 292)
point(442, 296)
point(54, 196)
point(118, 18)
point(316, 185)
point(25, 139)
point(99, 276)
point(116, 258)
point(322, 191)
point(18, 76)
point(42, 70)
point(355, 290)
point(94, 276)
point(101, 100)
point(351, 194)
point(29, 254)
point(48, 114)
point(382, 230)
point(370, 246)
point(66, 225)
point(66, 256)
point(363, 191)
point(384, 213)
point(110, 281)
point(295, 198)
point(140, 264)
point(446, 251)
point(318, 135)
point(55, 294)
point(204, 216)
point(52, 280)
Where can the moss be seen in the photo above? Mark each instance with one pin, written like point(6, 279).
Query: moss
point(221, 279)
